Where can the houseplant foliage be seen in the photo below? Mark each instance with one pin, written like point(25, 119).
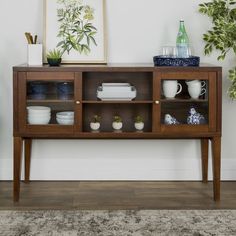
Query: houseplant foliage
point(76, 26)
point(222, 36)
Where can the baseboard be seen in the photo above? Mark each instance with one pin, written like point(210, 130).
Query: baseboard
point(103, 169)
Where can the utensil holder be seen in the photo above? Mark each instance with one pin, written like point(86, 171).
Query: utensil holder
point(35, 54)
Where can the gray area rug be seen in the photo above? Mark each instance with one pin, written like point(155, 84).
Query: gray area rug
point(121, 223)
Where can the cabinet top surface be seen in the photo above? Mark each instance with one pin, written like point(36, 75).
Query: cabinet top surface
point(112, 67)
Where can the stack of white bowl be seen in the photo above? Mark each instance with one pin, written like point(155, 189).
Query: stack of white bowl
point(65, 118)
point(39, 115)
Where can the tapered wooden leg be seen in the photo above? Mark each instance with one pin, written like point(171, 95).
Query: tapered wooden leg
point(204, 151)
point(18, 142)
point(28, 147)
point(216, 166)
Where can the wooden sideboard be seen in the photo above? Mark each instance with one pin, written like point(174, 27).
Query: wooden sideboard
point(150, 103)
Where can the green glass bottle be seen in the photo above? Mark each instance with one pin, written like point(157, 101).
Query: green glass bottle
point(182, 42)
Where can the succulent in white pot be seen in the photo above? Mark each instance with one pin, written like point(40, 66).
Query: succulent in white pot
point(139, 124)
point(95, 123)
point(117, 123)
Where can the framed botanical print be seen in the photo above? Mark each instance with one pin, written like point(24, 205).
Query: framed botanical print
point(77, 29)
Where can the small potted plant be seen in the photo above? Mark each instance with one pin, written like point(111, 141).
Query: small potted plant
point(139, 124)
point(117, 123)
point(95, 123)
point(54, 57)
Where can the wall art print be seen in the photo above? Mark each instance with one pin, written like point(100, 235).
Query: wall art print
point(76, 27)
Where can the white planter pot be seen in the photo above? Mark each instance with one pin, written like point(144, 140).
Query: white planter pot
point(139, 126)
point(95, 126)
point(117, 125)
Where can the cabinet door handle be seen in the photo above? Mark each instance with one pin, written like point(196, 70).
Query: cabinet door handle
point(77, 102)
point(157, 102)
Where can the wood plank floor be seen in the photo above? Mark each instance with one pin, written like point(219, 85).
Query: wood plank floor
point(117, 195)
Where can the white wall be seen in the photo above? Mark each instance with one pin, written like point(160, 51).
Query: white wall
point(136, 32)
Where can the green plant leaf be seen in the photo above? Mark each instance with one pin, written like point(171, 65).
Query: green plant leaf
point(93, 39)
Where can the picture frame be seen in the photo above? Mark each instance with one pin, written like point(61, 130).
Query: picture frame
point(76, 28)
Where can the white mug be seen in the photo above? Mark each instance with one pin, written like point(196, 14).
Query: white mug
point(195, 88)
point(193, 82)
point(171, 88)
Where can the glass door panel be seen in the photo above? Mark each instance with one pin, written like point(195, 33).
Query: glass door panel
point(186, 102)
point(177, 113)
point(44, 91)
point(186, 90)
point(50, 102)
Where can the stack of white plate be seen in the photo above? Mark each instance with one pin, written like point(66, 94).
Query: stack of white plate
point(65, 118)
point(39, 115)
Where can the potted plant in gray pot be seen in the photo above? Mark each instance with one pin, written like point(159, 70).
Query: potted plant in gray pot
point(95, 123)
point(138, 123)
point(222, 36)
point(117, 123)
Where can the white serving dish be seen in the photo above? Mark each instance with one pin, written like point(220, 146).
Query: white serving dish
point(115, 84)
point(65, 121)
point(117, 94)
point(116, 87)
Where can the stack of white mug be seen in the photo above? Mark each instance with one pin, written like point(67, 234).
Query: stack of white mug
point(195, 88)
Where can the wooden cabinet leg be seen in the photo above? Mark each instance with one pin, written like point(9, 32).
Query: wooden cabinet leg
point(28, 147)
point(18, 142)
point(204, 152)
point(216, 166)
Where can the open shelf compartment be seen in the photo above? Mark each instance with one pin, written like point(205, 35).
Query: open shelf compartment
point(142, 81)
point(126, 111)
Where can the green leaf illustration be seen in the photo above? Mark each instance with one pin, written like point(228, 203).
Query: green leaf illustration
point(76, 29)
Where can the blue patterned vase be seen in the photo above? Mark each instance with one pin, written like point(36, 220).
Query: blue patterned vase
point(195, 118)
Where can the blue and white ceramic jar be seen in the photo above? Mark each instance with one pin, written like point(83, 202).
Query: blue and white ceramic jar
point(38, 90)
point(195, 118)
point(170, 120)
point(65, 90)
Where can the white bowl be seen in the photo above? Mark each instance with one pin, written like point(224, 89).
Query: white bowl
point(65, 114)
point(39, 120)
point(38, 109)
point(65, 121)
point(39, 116)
